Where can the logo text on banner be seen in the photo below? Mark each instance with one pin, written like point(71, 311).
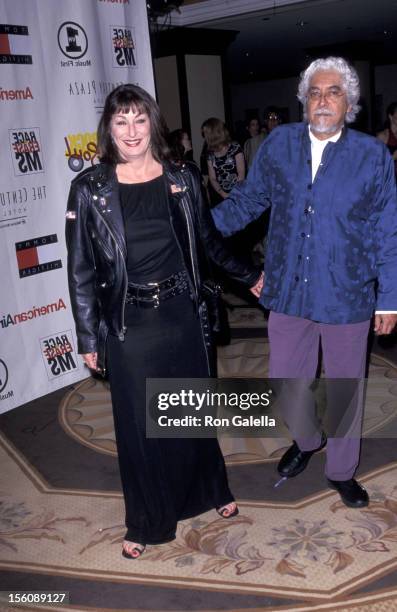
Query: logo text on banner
point(73, 43)
point(4, 381)
point(16, 94)
point(14, 44)
point(32, 313)
point(124, 47)
point(81, 148)
point(26, 150)
point(38, 255)
point(59, 354)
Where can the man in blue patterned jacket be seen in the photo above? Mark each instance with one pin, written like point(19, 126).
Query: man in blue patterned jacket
point(332, 250)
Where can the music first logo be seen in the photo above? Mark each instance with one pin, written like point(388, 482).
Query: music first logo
point(38, 255)
point(59, 354)
point(124, 46)
point(73, 43)
point(4, 381)
point(14, 44)
point(26, 151)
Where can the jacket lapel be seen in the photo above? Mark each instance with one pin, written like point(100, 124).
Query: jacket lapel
point(106, 199)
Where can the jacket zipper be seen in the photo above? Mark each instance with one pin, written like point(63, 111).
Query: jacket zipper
point(123, 327)
point(189, 224)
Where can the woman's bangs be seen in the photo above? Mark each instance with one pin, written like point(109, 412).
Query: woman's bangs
point(125, 106)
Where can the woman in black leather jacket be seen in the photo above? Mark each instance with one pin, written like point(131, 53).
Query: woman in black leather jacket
point(138, 233)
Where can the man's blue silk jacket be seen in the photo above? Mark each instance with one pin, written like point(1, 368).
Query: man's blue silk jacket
point(331, 253)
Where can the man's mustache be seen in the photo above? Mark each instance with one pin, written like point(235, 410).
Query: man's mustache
point(324, 111)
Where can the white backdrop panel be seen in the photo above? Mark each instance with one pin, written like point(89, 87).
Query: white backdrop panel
point(58, 61)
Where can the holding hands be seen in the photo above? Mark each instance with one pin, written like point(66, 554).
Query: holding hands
point(257, 288)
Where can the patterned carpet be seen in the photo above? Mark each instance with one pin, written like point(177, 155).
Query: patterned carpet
point(295, 548)
point(314, 548)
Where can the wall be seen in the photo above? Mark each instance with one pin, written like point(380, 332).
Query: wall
point(386, 85)
point(261, 94)
point(167, 88)
point(282, 93)
point(205, 93)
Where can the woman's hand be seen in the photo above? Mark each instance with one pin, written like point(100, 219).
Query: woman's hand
point(90, 360)
point(385, 323)
point(257, 288)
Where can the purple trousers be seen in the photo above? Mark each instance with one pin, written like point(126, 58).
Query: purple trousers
point(294, 353)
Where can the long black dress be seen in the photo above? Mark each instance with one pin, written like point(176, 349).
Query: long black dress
point(164, 480)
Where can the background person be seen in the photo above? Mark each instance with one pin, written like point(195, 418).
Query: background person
point(389, 134)
point(180, 145)
point(135, 227)
point(253, 143)
point(225, 159)
point(272, 119)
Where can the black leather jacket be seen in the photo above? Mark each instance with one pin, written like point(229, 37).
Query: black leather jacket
point(97, 251)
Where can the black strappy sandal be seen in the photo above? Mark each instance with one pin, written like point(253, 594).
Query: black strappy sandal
point(223, 511)
point(139, 549)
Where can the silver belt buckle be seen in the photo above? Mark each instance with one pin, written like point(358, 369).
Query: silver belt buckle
point(156, 296)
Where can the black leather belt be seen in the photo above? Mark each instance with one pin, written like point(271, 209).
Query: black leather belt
point(151, 294)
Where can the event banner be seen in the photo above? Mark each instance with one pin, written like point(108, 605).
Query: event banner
point(58, 62)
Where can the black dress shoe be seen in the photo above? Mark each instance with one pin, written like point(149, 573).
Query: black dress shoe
point(294, 461)
point(351, 492)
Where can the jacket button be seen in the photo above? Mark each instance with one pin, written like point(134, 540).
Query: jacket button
point(297, 278)
point(310, 187)
point(299, 257)
point(303, 234)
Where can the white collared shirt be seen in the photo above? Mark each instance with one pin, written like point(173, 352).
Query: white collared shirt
point(318, 147)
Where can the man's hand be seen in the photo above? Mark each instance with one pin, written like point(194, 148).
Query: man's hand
point(257, 288)
point(90, 360)
point(384, 324)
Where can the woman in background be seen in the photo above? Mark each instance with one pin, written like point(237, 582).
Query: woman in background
point(180, 145)
point(389, 135)
point(226, 165)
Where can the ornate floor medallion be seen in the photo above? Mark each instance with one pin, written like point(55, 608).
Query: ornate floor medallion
point(86, 415)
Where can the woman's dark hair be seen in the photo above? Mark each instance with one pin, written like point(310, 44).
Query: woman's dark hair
point(121, 100)
point(174, 139)
point(216, 134)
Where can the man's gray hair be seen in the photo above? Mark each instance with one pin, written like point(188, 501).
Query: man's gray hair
point(350, 80)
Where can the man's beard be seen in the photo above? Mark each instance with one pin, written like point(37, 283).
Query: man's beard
point(322, 128)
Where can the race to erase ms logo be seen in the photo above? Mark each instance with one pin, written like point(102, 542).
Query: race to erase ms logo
point(14, 44)
point(59, 354)
point(123, 46)
point(26, 150)
point(73, 43)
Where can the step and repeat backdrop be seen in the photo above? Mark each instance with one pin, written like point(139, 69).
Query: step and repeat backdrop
point(58, 61)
